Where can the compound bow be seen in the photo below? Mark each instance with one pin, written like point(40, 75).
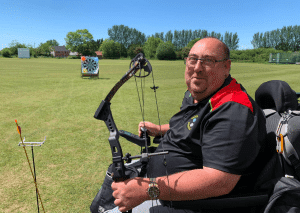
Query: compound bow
point(103, 113)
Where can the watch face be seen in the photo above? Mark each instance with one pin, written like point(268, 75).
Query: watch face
point(153, 192)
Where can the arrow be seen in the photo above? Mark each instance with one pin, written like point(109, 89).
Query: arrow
point(19, 131)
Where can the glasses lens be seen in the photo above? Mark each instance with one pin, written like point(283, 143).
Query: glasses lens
point(192, 61)
point(208, 62)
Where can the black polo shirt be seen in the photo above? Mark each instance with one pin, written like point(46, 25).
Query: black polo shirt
point(225, 131)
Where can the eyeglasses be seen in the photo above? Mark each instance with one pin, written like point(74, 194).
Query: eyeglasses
point(191, 61)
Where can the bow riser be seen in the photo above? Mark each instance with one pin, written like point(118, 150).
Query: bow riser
point(104, 113)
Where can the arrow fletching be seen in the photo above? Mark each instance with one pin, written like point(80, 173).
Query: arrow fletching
point(18, 127)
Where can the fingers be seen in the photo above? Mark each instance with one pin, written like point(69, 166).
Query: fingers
point(121, 200)
point(141, 124)
point(145, 124)
point(151, 128)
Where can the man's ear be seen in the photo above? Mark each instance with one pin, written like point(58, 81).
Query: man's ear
point(227, 67)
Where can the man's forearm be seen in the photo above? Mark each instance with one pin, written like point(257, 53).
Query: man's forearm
point(190, 185)
point(163, 129)
point(195, 184)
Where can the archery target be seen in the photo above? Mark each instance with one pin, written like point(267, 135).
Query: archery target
point(89, 65)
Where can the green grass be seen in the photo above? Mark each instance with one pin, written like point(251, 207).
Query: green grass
point(49, 98)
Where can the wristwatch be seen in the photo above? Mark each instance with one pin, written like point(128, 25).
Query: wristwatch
point(153, 190)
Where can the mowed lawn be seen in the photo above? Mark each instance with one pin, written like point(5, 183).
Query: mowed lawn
point(49, 98)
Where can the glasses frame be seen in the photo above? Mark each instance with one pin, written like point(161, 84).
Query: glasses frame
point(202, 60)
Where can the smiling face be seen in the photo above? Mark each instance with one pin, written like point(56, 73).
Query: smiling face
point(201, 80)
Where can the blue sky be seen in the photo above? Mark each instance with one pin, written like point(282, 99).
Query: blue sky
point(36, 21)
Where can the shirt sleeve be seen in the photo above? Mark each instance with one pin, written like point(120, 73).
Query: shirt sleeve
point(230, 140)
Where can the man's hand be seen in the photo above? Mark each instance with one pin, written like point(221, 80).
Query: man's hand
point(152, 129)
point(130, 193)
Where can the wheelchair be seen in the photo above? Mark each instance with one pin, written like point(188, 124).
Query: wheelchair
point(256, 201)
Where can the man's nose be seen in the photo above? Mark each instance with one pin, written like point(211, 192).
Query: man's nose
point(199, 66)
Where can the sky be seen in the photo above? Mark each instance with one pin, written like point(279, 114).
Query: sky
point(32, 22)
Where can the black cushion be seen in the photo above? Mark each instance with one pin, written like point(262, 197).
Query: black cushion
point(276, 95)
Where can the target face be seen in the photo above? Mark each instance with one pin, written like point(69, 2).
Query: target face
point(89, 65)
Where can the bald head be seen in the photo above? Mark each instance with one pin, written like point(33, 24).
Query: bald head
point(222, 48)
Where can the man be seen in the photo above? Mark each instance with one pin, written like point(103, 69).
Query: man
point(213, 142)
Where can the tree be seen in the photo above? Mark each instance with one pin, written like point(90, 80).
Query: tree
point(87, 49)
point(150, 46)
point(185, 52)
point(176, 39)
point(138, 50)
point(80, 41)
point(44, 49)
point(296, 38)
point(122, 50)
point(34, 52)
point(169, 36)
point(125, 35)
point(286, 39)
point(132, 50)
point(283, 46)
point(98, 43)
point(90, 47)
point(165, 51)
point(52, 43)
point(6, 53)
point(110, 49)
point(231, 40)
point(14, 45)
point(191, 43)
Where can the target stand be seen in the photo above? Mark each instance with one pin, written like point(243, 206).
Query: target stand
point(89, 66)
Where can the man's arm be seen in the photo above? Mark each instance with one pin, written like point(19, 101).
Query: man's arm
point(196, 184)
point(189, 185)
point(153, 129)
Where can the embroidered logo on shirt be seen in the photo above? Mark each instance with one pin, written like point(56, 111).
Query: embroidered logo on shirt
point(190, 124)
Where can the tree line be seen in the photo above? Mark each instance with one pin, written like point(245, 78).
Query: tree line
point(127, 42)
point(286, 39)
point(130, 36)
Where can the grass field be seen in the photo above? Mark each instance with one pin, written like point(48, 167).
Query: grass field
point(49, 98)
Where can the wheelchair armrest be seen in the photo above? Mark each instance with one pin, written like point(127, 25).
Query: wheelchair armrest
point(223, 202)
point(157, 140)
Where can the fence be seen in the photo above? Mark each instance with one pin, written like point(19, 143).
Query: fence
point(284, 58)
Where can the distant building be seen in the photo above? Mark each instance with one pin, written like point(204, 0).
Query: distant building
point(74, 53)
point(99, 54)
point(60, 51)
